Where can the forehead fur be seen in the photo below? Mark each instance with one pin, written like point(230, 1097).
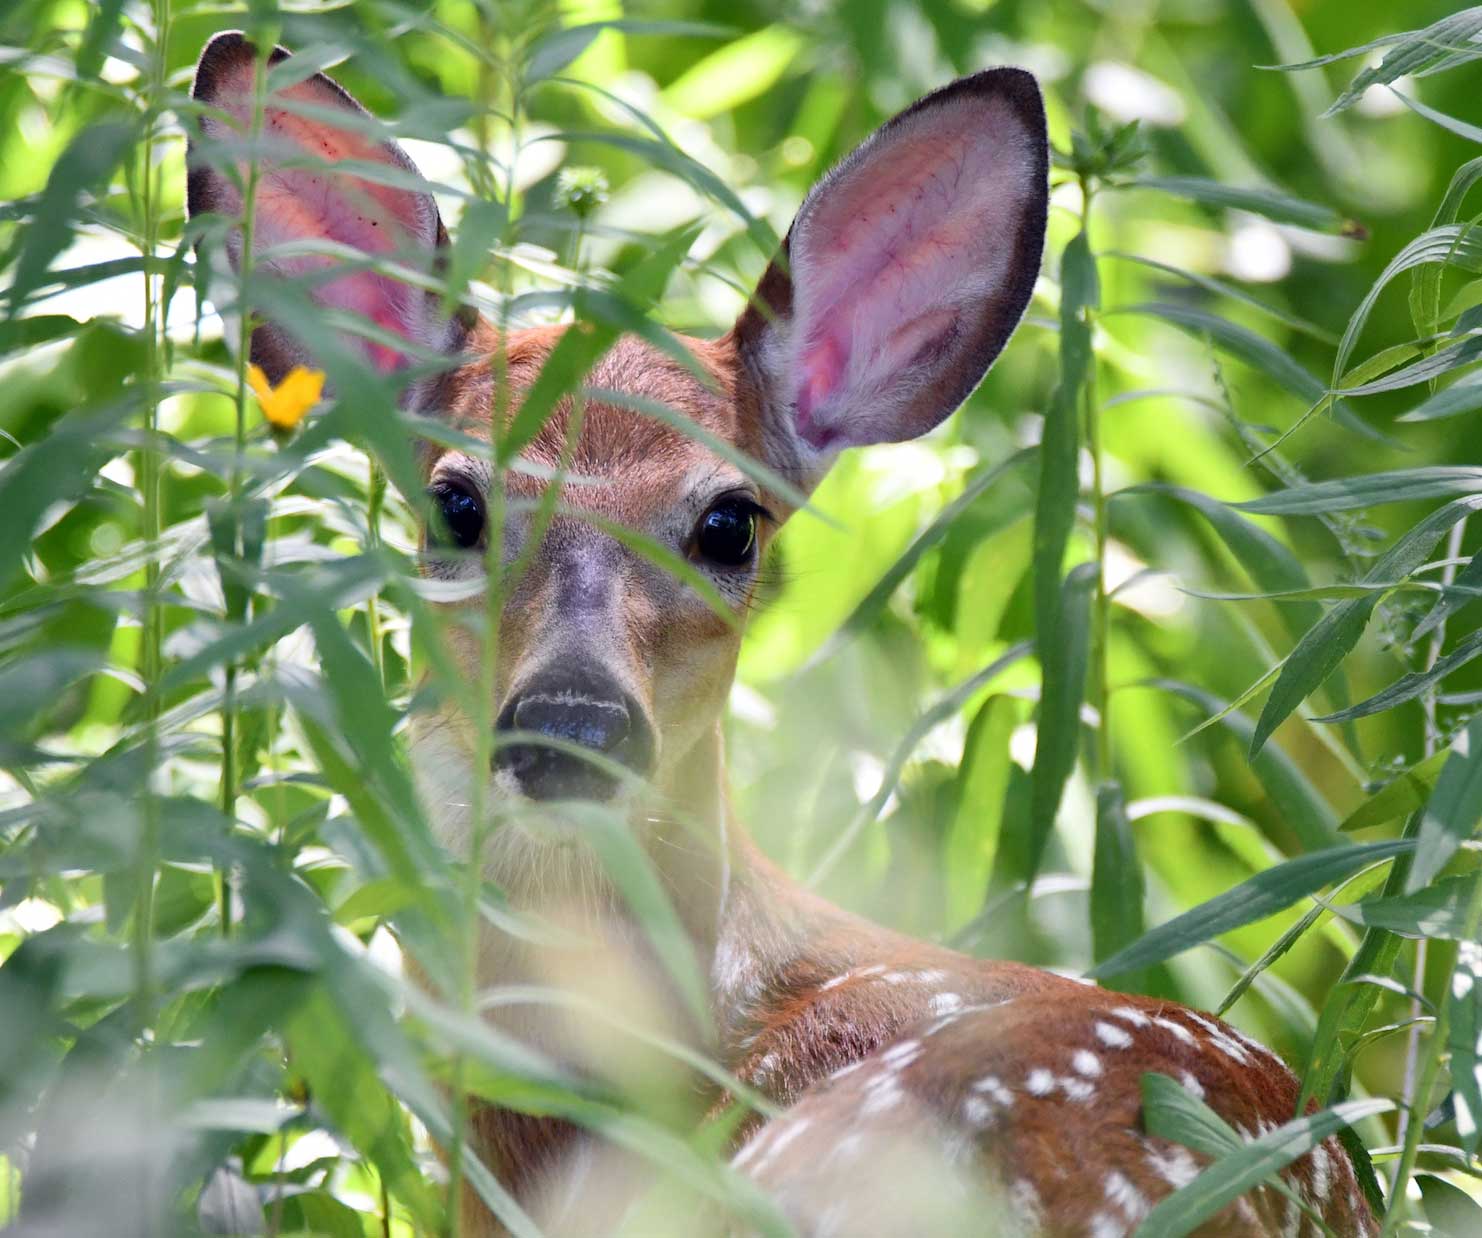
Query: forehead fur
point(616, 440)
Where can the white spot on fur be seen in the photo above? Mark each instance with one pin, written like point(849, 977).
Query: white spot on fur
point(1322, 1174)
point(1077, 1089)
point(1026, 1200)
point(1121, 1192)
point(945, 1003)
point(1112, 1036)
point(1132, 1015)
point(901, 1055)
point(1104, 1226)
point(1217, 1037)
point(976, 1111)
point(1191, 1084)
point(1039, 1082)
point(992, 1087)
point(1175, 1166)
point(1084, 1062)
point(1177, 1029)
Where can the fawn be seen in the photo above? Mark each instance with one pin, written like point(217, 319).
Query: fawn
point(1010, 1095)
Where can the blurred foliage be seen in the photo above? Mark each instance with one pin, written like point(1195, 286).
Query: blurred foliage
point(211, 853)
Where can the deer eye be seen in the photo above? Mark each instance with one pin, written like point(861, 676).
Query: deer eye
point(726, 534)
point(457, 518)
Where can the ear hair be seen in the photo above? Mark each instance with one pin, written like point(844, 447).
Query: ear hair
point(904, 273)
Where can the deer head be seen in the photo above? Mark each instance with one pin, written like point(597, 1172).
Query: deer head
point(901, 278)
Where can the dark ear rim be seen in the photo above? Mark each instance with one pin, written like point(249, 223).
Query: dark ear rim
point(773, 298)
point(229, 50)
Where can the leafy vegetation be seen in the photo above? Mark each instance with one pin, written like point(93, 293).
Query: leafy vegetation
point(1159, 661)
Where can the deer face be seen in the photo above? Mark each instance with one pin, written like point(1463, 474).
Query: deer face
point(901, 279)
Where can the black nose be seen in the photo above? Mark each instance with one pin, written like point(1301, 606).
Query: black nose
point(584, 708)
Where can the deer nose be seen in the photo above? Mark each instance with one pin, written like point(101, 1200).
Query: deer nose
point(575, 709)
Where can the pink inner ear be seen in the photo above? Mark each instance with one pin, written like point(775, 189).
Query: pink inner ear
point(904, 244)
point(314, 201)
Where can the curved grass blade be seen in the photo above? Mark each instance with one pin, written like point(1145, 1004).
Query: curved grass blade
point(1272, 204)
point(1255, 351)
point(1225, 289)
point(1425, 284)
point(1367, 490)
point(1450, 123)
point(1448, 244)
point(1253, 899)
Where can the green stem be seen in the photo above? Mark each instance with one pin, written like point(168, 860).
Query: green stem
point(1099, 691)
point(151, 654)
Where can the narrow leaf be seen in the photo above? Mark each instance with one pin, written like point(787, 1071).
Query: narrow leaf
point(1253, 899)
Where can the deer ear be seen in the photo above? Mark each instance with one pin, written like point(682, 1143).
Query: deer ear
point(906, 270)
point(302, 195)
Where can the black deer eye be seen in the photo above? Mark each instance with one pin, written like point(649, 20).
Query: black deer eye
point(726, 534)
point(457, 518)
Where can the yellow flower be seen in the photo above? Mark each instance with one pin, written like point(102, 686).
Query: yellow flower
point(285, 405)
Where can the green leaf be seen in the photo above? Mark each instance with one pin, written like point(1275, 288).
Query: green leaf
point(1464, 396)
point(1450, 123)
point(1367, 490)
point(1408, 687)
point(1330, 640)
point(1443, 361)
point(1271, 203)
point(1171, 1112)
point(1454, 811)
point(1223, 288)
point(1253, 899)
point(1438, 910)
point(1117, 891)
point(1058, 731)
point(1059, 483)
point(1406, 792)
point(1451, 1212)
